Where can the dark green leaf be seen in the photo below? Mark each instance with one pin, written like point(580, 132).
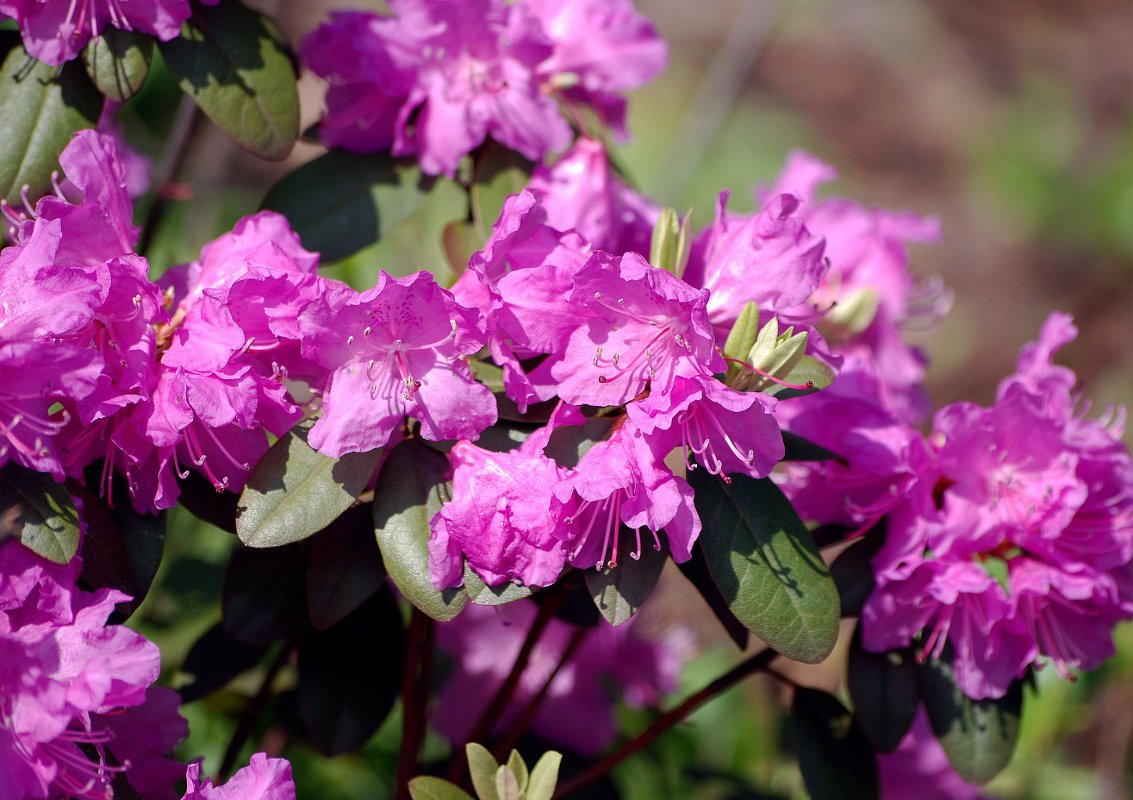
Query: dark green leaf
point(570, 443)
point(484, 595)
point(215, 659)
point(350, 674)
point(498, 172)
point(853, 572)
point(834, 756)
point(39, 511)
point(201, 499)
point(341, 202)
point(696, 570)
point(41, 108)
point(295, 491)
point(345, 567)
point(801, 449)
point(427, 787)
point(620, 591)
point(766, 565)
point(883, 687)
point(118, 62)
point(122, 548)
point(234, 62)
point(978, 735)
point(411, 489)
point(265, 593)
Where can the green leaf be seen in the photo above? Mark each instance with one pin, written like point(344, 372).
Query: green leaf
point(265, 593)
point(427, 787)
point(214, 660)
point(39, 511)
point(482, 768)
point(118, 62)
point(498, 173)
point(853, 573)
point(458, 240)
point(834, 756)
point(741, 339)
point(484, 595)
point(205, 502)
point(518, 768)
point(296, 491)
point(883, 687)
point(411, 489)
point(568, 444)
point(342, 202)
point(620, 591)
point(766, 565)
point(544, 777)
point(978, 735)
point(808, 369)
point(235, 63)
point(507, 786)
point(802, 449)
point(698, 574)
point(41, 108)
point(345, 567)
point(350, 674)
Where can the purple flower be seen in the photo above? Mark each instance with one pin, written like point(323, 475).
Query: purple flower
point(578, 709)
point(919, 768)
point(55, 31)
point(263, 779)
point(397, 349)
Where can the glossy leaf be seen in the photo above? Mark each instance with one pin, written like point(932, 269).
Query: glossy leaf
point(118, 62)
point(883, 687)
point(620, 591)
point(978, 735)
point(834, 756)
point(766, 565)
point(427, 787)
point(295, 491)
point(501, 594)
point(696, 570)
point(345, 567)
point(482, 769)
point(235, 64)
point(350, 674)
point(544, 776)
point(265, 593)
point(341, 202)
point(41, 108)
point(215, 659)
point(39, 511)
point(411, 488)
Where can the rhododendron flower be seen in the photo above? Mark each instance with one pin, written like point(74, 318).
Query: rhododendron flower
point(919, 768)
point(55, 31)
point(397, 349)
point(263, 779)
point(578, 709)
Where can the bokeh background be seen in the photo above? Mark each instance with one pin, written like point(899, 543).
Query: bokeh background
point(1011, 121)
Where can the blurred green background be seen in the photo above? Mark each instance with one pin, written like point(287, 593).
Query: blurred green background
point(1012, 122)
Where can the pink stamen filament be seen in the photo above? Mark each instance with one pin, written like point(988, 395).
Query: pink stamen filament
point(640, 352)
point(770, 377)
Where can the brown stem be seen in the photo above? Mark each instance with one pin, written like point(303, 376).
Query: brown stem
point(520, 726)
point(252, 712)
point(416, 675)
point(458, 766)
point(757, 662)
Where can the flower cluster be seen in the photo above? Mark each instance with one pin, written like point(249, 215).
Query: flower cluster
point(439, 76)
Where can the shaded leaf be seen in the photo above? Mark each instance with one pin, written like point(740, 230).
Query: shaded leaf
point(265, 593)
point(341, 202)
point(458, 240)
point(41, 108)
point(620, 591)
point(118, 62)
point(801, 449)
point(482, 769)
point(852, 570)
point(215, 659)
point(544, 777)
point(39, 511)
point(484, 595)
point(350, 674)
point(411, 489)
point(883, 687)
point(295, 491)
point(568, 444)
point(834, 756)
point(201, 499)
point(235, 64)
point(696, 570)
point(498, 173)
point(427, 787)
point(345, 567)
point(766, 565)
point(978, 735)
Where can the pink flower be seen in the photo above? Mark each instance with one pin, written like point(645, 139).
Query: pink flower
point(263, 779)
point(919, 768)
point(397, 349)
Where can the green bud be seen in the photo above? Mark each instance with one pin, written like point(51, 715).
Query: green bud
point(669, 247)
point(856, 310)
point(740, 341)
point(773, 355)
